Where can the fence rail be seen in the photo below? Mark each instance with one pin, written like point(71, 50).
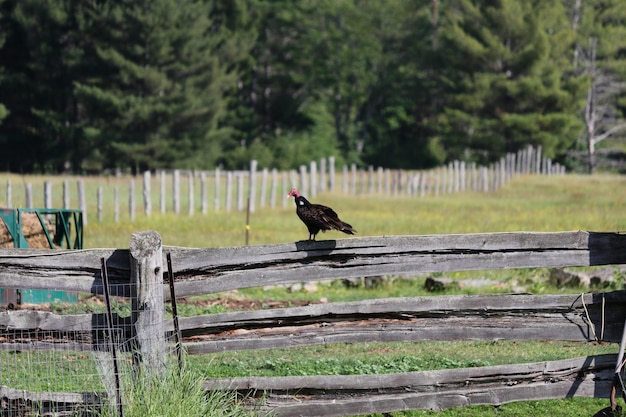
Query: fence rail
point(190, 192)
point(587, 317)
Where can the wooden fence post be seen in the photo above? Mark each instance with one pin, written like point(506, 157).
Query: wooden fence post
point(66, 194)
point(252, 184)
point(176, 191)
point(147, 201)
point(82, 200)
point(9, 201)
point(148, 309)
point(190, 193)
point(131, 199)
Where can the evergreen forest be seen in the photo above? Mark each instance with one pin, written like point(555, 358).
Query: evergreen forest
point(94, 85)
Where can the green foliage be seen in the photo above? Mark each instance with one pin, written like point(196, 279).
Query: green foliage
point(505, 87)
point(88, 86)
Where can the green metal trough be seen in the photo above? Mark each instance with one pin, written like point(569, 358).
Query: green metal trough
point(67, 234)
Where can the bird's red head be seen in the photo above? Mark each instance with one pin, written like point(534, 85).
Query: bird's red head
point(293, 193)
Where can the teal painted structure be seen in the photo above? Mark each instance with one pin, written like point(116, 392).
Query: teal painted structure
point(67, 234)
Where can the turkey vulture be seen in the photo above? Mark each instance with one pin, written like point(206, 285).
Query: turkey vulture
point(317, 217)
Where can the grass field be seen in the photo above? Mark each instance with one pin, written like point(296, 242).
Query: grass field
point(529, 203)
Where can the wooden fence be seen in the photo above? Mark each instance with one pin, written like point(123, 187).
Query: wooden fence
point(190, 192)
point(139, 270)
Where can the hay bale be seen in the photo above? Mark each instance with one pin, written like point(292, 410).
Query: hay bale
point(32, 231)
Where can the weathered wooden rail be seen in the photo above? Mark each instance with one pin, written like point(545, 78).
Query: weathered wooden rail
point(586, 317)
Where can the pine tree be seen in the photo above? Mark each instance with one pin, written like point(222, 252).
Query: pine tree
point(42, 55)
point(3, 110)
point(505, 81)
point(162, 72)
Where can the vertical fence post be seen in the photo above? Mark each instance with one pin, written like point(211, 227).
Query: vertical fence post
point(262, 197)
point(148, 309)
point(176, 191)
point(66, 194)
point(162, 193)
point(273, 188)
point(99, 203)
point(82, 200)
point(131, 199)
point(304, 189)
point(9, 193)
point(204, 204)
point(116, 203)
point(229, 187)
point(190, 193)
point(322, 185)
point(252, 184)
point(147, 199)
point(331, 173)
point(313, 178)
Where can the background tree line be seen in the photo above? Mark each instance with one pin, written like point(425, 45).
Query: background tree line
point(87, 85)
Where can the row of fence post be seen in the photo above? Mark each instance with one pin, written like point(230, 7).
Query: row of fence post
point(454, 177)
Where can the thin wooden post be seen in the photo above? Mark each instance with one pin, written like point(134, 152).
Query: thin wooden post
point(313, 178)
point(240, 203)
point(176, 191)
point(29, 195)
point(264, 176)
point(322, 185)
point(304, 188)
point(283, 176)
point(147, 203)
point(9, 195)
point(229, 189)
point(47, 194)
point(111, 337)
point(252, 185)
point(162, 193)
point(190, 194)
point(538, 160)
point(203, 194)
point(273, 188)
point(177, 333)
point(217, 189)
point(82, 202)
point(116, 203)
point(99, 208)
point(131, 199)
point(331, 173)
point(146, 274)
point(66, 194)
point(353, 179)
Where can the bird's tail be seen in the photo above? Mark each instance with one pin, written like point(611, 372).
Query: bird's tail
point(347, 229)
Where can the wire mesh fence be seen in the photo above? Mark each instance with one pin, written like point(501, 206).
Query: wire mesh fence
point(63, 358)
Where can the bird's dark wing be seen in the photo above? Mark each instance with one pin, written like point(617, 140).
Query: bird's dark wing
point(327, 217)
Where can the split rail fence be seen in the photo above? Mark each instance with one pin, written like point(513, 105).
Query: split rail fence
point(138, 272)
point(189, 192)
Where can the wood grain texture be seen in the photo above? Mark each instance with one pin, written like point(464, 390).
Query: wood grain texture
point(343, 395)
point(210, 270)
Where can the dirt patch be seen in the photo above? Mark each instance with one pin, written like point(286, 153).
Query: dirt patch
point(32, 231)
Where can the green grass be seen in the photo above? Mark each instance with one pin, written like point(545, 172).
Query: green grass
point(572, 202)
point(372, 358)
point(531, 203)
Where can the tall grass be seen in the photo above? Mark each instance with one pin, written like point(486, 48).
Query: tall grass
point(175, 393)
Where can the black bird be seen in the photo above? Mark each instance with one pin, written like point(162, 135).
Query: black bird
point(317, 217)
